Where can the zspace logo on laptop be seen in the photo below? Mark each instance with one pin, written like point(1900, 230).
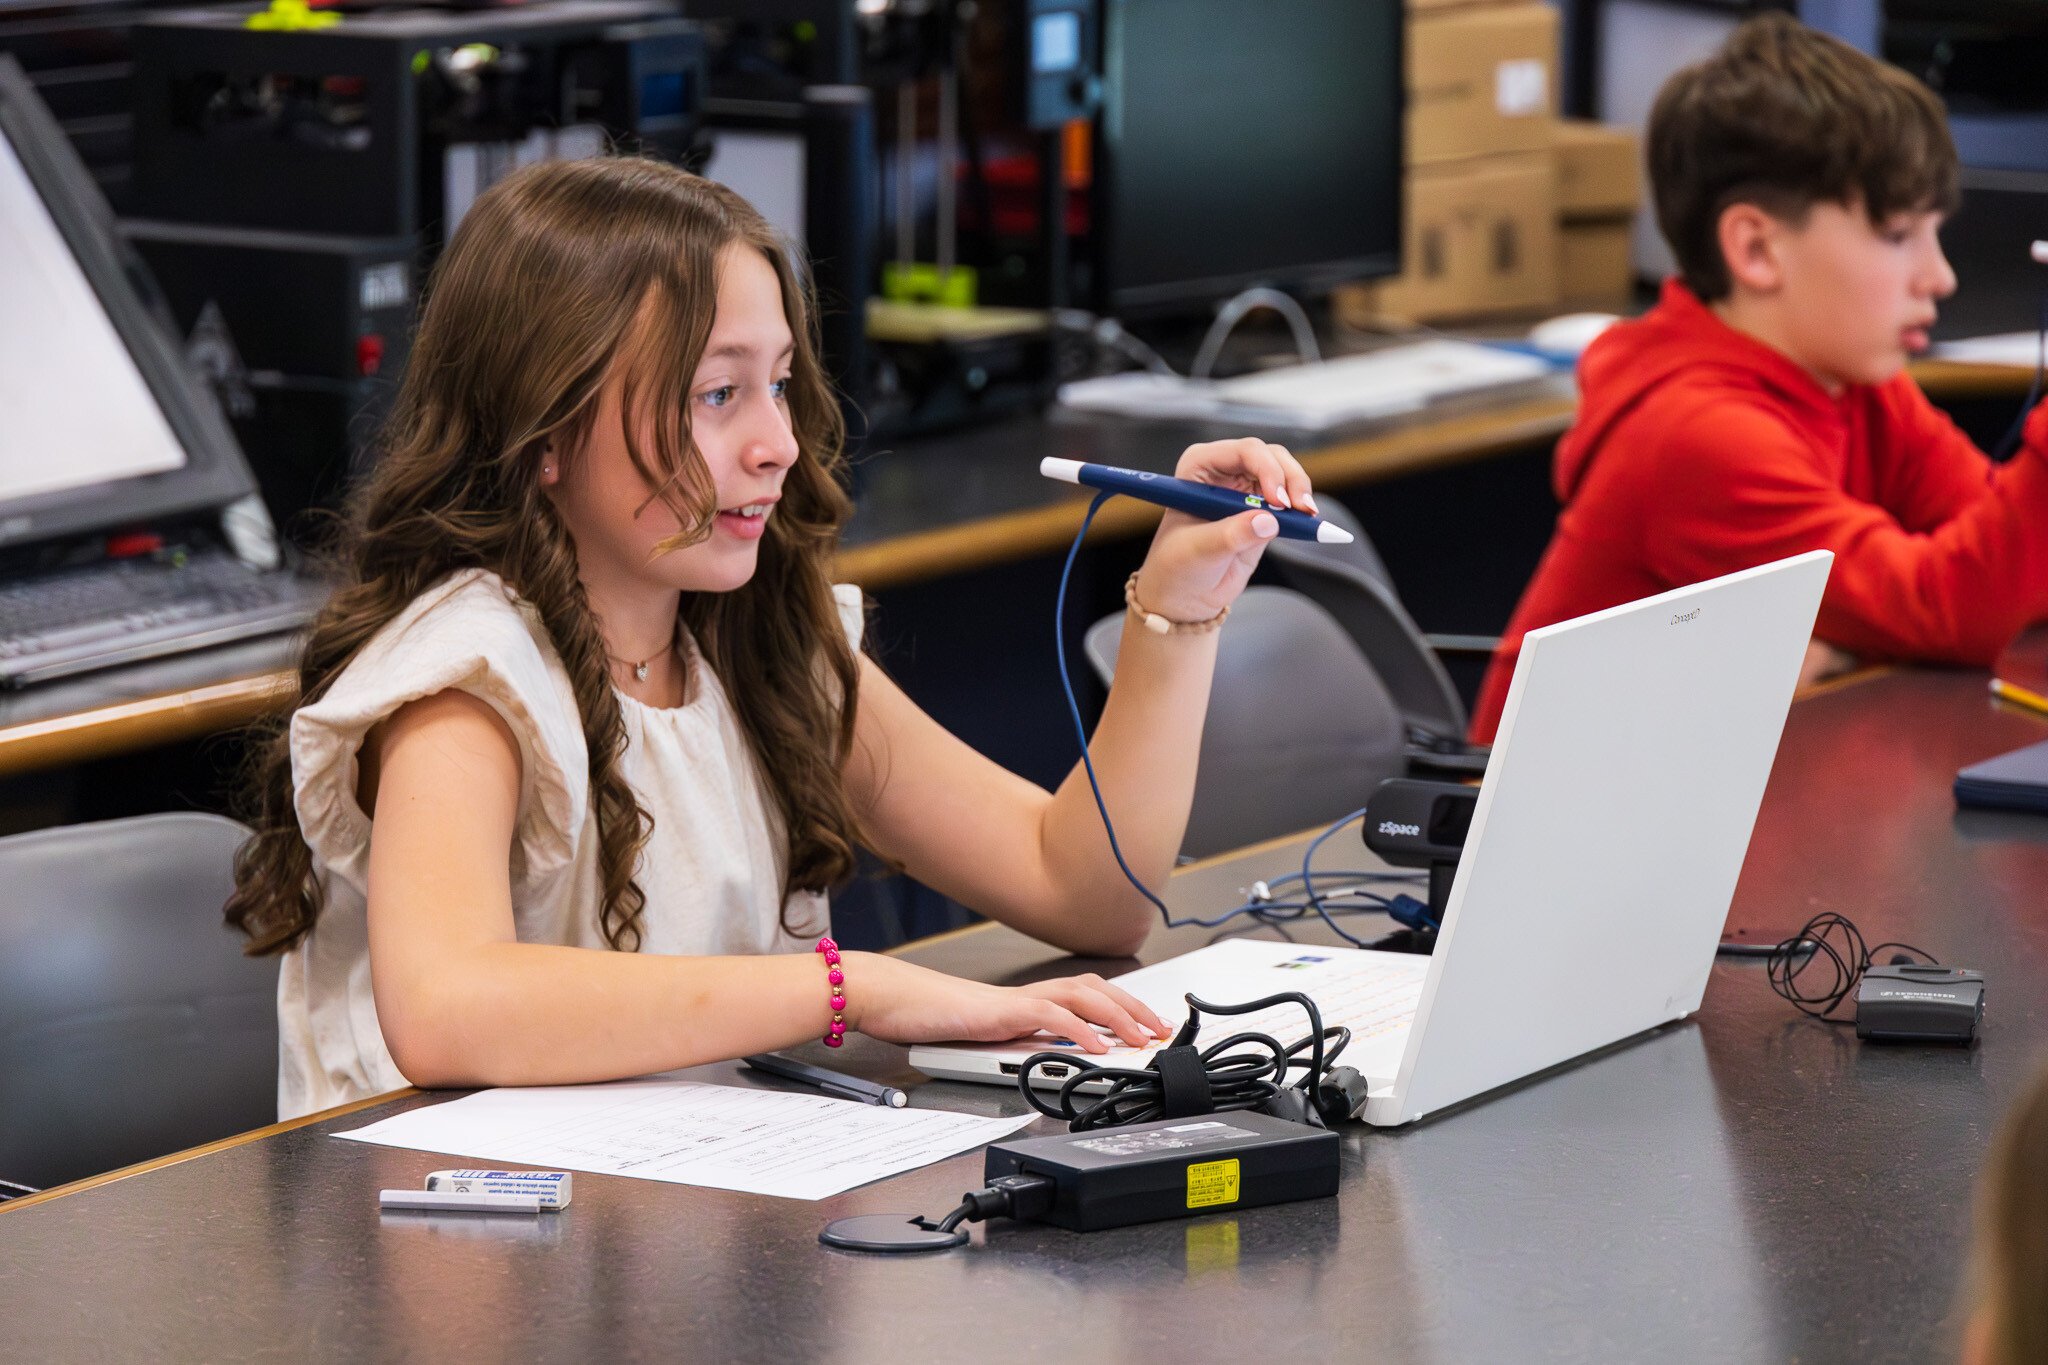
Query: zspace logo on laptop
point(1682, 617)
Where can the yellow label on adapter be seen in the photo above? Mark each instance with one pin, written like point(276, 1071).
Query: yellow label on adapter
point(1211, 1183)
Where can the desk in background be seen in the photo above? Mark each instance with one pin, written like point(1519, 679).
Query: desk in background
point(1748, 1186)
point(935, 507)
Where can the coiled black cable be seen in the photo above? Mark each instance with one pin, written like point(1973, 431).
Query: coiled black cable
point(1834, 940)
point(1243, 1080)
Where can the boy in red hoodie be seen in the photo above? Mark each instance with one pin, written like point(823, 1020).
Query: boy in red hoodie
point(1761, 409)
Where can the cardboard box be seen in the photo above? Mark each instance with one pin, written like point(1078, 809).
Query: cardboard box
point(1481, 81)
point(1480, 237)
point(1593, 266)
point(1599, 170)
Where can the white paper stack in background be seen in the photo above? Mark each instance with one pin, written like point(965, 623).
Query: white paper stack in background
point(2019, 349)
point(1327, 393)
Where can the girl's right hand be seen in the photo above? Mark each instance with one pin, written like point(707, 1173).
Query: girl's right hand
point(899, 1002)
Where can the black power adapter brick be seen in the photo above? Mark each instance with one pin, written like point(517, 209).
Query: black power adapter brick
point(1110, 1178)
point(1172, 1168)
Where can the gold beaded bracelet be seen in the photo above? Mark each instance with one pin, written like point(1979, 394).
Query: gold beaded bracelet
point(1158, 624)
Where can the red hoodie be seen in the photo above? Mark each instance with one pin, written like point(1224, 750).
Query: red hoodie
point(1699, 451)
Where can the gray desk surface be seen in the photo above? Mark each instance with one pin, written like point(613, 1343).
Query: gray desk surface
point(1748, 1186)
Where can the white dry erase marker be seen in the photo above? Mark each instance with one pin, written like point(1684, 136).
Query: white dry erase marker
point(550, 1187)
point(447, 1201)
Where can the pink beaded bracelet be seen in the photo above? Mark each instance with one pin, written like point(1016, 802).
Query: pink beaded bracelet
point(835, 1033)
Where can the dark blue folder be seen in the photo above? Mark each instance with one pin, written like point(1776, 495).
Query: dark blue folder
point(2014, 781)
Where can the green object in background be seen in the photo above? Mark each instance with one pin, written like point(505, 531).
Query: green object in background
point(917, 282)
point(291, 15)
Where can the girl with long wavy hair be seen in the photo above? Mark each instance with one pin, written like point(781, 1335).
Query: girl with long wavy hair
point(585, 733)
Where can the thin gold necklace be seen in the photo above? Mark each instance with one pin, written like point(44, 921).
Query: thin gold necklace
point(640, 669)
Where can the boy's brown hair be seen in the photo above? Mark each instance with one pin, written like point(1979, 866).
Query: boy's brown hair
point(1785, 118)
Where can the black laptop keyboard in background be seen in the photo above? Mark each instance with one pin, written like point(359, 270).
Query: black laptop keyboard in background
point(74, 620)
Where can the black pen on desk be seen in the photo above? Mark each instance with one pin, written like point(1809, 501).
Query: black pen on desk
point(831, 1082)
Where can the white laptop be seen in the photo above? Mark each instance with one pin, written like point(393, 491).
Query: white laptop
point(1602, 857)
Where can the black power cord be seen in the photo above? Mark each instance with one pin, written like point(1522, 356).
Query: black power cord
point(1832, 940)
point(1005, 1196)
point(1182, 1082)
point(2010, 442)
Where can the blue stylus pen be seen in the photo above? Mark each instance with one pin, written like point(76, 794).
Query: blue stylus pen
point(1196, 499)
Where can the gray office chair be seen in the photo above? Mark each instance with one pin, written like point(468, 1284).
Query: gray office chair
point(1299, 731)
point(131, 1025)
point(1360, 553)
point(1351, 584)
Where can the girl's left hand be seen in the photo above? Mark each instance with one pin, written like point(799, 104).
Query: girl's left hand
point(1196, 568)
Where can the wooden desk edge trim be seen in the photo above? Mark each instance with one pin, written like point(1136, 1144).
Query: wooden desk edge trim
point(204, 1149)
point(1443, 441)
point(1939, 378)
point(126, 725)
point(1015, 535)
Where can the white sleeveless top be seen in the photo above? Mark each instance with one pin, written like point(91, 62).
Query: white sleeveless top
point(712, 869)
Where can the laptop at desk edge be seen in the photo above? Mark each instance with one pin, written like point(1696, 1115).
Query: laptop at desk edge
point(1604, 848)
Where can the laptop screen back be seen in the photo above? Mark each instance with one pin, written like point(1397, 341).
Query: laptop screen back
point(1605, 846)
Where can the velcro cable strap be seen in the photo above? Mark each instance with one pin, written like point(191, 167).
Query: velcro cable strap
point(1183, 1083)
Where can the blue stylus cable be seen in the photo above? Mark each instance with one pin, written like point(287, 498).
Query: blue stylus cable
point(1059, 641)
point(1257, 908)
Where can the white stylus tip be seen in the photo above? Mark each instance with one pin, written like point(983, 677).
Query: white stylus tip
point(1066, 471)
point(2040, 252)
point(1331, 534)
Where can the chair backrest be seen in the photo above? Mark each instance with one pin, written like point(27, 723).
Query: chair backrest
point(1299, 731)
point(131, 1025)
point(1353, 587)
point(1360, 552)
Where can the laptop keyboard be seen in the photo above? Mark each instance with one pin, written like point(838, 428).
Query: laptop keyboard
point(75, 620)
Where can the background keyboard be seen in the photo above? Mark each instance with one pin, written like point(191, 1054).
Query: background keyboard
point(78, 619)
point(1354, 388)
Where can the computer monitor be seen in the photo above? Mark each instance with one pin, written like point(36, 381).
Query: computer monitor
point(102, 423)
point(1246, 142)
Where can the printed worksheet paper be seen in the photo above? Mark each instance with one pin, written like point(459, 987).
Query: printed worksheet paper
point(725, 1137)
